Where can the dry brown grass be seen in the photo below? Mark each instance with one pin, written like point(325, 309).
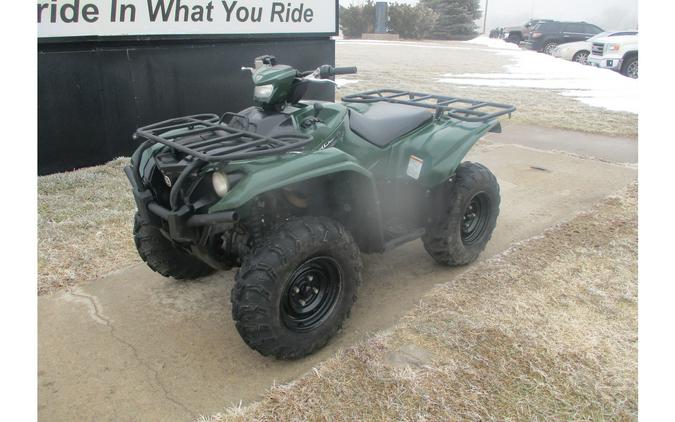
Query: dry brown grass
point(545, 331)
point(84, 225)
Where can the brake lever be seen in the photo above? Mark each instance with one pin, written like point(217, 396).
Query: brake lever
point(250, 69)
point(326, 81)
point(314, 77)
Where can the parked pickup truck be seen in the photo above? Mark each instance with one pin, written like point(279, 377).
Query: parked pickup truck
point(580, 50)
point(616, 53)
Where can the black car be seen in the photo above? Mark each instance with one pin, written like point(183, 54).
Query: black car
point(546, 36)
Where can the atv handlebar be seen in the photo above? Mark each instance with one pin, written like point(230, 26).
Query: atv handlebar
point(326, 71)
point(344, 70)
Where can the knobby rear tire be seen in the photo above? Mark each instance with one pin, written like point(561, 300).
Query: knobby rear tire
point(443, 239)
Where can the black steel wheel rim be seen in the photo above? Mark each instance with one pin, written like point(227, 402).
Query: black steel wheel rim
point(311, 294)
point(475, 218)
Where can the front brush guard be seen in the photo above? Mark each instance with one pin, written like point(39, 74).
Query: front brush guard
point(181, 221)
point(204, 139)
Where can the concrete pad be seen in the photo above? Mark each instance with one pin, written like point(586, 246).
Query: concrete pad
point(136, 346)
point(610, 148)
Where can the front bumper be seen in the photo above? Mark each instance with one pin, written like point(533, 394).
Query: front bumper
point(613, 63)
point(182, 222)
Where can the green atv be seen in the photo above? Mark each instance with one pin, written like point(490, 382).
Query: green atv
point(292, 192)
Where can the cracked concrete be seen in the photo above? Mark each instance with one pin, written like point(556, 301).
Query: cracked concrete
point(136, 346)
point(98, 316)
point(90, 303)
point(50, 379)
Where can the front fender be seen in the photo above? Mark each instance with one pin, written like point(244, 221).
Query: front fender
point(270, 174)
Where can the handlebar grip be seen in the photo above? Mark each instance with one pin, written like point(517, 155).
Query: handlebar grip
point(326, 71)
point(344, 70)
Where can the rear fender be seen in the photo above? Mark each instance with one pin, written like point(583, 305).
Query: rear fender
point(441, 150)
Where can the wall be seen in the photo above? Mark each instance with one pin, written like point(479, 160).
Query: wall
point(93, 95)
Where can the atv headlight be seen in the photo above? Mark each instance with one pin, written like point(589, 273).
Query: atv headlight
point(221, 185)
point(263, 92)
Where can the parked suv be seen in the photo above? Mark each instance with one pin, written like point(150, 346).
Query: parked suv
point(616, 53)
point(546, 36)
point(516, 34)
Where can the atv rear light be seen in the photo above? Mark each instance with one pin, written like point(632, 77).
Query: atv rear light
point(221, 185)
point(536, 34)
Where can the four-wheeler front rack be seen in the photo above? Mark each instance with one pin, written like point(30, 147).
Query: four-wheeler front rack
point(205, 137)
point(457, 108)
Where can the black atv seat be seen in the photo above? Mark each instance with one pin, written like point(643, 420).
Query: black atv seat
point(383, 123)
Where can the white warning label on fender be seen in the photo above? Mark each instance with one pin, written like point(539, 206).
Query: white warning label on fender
point(414, 167)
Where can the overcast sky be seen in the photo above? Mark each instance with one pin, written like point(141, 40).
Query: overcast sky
point(608, 14)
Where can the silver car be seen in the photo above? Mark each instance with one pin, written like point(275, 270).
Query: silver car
point(579, 51)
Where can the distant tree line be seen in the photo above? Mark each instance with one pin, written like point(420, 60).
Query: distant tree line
point(437, 19)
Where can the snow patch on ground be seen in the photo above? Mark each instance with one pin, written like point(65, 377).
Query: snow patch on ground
point(493, 43)
point(596, 87)
point(343, 82)
point(419, 44)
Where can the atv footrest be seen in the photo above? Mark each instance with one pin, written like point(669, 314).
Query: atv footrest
point(397, 232)
point(405, 238)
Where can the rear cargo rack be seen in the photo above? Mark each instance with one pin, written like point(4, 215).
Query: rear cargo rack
point(217, 141)
point(457, 108)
